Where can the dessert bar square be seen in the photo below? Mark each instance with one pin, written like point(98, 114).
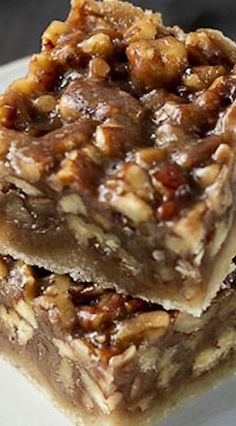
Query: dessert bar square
point(108, 357)
point(118, 156)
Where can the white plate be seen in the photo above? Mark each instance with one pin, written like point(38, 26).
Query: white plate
point(22, 405)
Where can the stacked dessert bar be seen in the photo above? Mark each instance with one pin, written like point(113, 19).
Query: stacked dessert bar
point(117, 206)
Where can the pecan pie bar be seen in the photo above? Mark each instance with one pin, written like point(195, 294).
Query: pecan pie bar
point(108, 357)
point(118, 156)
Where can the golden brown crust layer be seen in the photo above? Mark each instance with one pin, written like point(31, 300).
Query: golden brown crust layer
point(120, 144)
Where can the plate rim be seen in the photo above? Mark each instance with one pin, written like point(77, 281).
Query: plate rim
point(13, 65)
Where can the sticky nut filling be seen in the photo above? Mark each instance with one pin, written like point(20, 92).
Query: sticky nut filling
point(162, 90)
point(104, 320)
point(94, 84)
point(109, 351)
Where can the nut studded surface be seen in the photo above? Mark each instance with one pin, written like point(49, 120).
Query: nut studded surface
point(118, 156)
